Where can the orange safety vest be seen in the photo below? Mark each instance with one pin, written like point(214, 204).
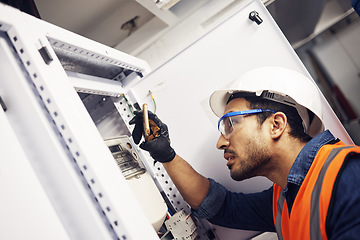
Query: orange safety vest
point(311, 205)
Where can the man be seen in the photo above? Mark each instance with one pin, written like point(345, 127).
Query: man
point(271, 126)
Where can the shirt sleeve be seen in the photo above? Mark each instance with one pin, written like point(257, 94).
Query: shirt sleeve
point(237, 210)
point(356, 5)
point(212, 202)
point(343, 221)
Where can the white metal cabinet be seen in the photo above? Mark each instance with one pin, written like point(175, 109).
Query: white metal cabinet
point(83, 191)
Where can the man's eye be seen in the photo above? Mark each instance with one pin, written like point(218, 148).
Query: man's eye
point(227, 124)
point(236, 120)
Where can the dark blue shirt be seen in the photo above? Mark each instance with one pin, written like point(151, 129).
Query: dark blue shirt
point(254, 211)
point(356, 5)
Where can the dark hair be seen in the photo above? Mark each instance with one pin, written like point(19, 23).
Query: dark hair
point(293, 118)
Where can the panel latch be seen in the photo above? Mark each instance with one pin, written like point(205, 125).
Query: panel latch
point(254, 16)
point(2, 104)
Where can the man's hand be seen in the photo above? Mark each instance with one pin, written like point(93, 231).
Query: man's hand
point(158, 144)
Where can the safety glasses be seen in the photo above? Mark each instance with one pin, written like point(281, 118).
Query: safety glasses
point(234, 120)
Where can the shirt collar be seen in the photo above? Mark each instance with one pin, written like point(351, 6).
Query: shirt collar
point(306, 156)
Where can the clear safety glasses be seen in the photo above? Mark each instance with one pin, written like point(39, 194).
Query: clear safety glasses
point(234, 120)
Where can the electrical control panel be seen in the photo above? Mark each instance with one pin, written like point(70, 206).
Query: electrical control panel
point(140, 181)
point(126, 157)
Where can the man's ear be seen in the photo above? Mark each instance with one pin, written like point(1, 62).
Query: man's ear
point(278, 124)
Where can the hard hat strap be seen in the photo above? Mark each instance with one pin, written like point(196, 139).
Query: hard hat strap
point(287, 100)
point(240, 95)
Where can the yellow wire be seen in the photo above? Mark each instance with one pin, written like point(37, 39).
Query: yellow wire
point(152, 97)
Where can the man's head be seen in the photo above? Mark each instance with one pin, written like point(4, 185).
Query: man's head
point(293, 118)
point(278, 85)
point(265, 105)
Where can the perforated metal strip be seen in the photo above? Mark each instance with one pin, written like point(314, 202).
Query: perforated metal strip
point(70, 144)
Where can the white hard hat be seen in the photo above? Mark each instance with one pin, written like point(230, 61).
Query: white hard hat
point(280, 85)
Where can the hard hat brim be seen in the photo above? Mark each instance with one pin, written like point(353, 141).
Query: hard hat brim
point(218, 101)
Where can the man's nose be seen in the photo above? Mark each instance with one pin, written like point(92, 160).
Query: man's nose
point(222, 143)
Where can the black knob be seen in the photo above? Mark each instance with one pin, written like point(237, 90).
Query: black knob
point(254, 16)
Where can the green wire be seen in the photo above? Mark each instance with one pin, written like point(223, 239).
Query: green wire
point(127, 102)
point(154, 105)
point(130, 106)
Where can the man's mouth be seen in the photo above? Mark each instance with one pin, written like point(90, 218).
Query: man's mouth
point(230, 159)
point(229, 155)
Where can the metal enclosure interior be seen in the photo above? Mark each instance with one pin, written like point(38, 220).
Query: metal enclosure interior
point(64, 94)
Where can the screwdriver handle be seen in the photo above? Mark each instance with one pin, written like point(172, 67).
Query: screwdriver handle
point(146, 122)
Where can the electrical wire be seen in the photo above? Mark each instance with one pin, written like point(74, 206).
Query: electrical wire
point(165, 234)
point(131, 107)
point(169, 212)
point(127, 102)
point(152, 97)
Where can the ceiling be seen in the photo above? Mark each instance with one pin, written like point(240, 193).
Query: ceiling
point(299, 19)
point(106, 21)
point(112, 22)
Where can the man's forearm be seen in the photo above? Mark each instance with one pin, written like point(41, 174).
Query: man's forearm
point(192, 185)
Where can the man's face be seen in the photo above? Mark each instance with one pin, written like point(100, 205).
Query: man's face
point(246, 150)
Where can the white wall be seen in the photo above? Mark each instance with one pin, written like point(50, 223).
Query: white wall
point(337, 53)
point(188, 31)
point(340, 57)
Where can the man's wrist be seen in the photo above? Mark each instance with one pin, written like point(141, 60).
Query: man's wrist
point(163, 158)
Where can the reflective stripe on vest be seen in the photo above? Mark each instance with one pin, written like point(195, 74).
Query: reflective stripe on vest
point(280, 205)
point(315, 232)
point(312, 193)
